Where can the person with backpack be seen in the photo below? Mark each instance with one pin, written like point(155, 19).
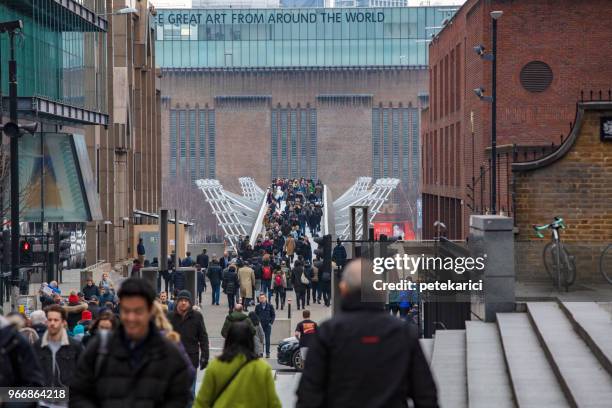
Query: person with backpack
point(266, 276)
point(238, 378)
point(231, 285)
point(136, 364)
point(279, 286)
point(299, 281)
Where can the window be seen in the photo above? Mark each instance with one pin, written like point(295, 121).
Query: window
point(274, 145)
point(375, 143)
point(192, 145)
point(294, 155)
point(304, 143)
point(313, 144)
point(173, 143)
point(202, 129)
point(284, 162)
point(211, 143)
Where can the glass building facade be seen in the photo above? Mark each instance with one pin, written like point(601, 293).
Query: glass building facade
point(305, 37)
point(61, 54)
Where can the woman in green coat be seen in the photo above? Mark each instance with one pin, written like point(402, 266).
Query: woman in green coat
point(238, 378)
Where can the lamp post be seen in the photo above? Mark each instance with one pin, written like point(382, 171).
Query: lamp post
point(495, 15)
point(12, 130)
point(480, 50)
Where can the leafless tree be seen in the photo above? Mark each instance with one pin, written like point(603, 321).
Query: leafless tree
point(5, 176)
point(182, 193)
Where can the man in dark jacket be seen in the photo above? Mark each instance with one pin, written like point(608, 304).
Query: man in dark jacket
point(231, 285)
point(214, 274)
point(190, 325)
point(364, 357)
point(339, 254)
point(135, 366)
point(202, 259)
point(90, 289)
point(265, 313)
point(57, 353)
point(19, 366)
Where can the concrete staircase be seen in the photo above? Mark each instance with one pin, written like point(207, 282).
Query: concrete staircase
point(554, 355)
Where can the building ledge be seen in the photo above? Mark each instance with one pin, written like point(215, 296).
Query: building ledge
point(58, 8)
point(567, 144)
point(40, 107)
point(297, 69)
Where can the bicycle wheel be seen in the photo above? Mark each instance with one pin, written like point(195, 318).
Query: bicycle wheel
point(548, 260)
point(605, 263)
point(567, 268)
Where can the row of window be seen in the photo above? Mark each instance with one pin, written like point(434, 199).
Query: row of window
point(445, 84)
point(442, 150)
point(196, 128)
point(395, 145)
point(294, 143)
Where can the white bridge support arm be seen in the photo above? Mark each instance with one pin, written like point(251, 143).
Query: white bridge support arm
point(235, 214)
point(373, 198)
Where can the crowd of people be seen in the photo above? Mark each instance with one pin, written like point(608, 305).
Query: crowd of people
point(113, 345)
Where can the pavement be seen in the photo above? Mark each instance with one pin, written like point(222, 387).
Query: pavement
point(286, 378)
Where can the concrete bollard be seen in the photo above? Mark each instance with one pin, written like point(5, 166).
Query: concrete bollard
point(281, 329)
point(492, 236)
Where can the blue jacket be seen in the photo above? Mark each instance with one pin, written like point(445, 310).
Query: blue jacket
point(266, 313)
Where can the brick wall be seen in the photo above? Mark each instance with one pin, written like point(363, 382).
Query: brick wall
point(578, 188)
point(344, 128)
point(565, 34)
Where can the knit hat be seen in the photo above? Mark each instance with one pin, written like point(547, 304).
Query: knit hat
point(184, 294)
point(73, 298)
point(86, 315)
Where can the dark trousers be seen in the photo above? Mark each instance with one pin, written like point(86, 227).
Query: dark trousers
point(200, 297)
point(216, 291)
point(265, 288)
point(231, 299)
point(279, 292)
point(267, 329)
point(327, 293)
point(245, 303)
point(308, 295)
point(315, 291)
point(300, 297)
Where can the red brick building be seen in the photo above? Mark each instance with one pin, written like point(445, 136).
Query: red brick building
point(551, 54)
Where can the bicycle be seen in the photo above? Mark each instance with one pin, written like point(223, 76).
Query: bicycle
point(559, 264)
point(605, 265)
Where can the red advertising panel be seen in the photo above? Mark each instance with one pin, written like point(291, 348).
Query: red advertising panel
point(399, 229)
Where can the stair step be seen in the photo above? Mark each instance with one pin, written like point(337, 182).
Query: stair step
point(594, 325)
point(448, 366)
point(529, 370)
point(486, 368)
point(427, 346)
point(584, 380)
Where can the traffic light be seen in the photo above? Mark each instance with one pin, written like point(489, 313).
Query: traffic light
point(324, 251)
point(64, 245)
point(26, 251)
point(5, 247)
